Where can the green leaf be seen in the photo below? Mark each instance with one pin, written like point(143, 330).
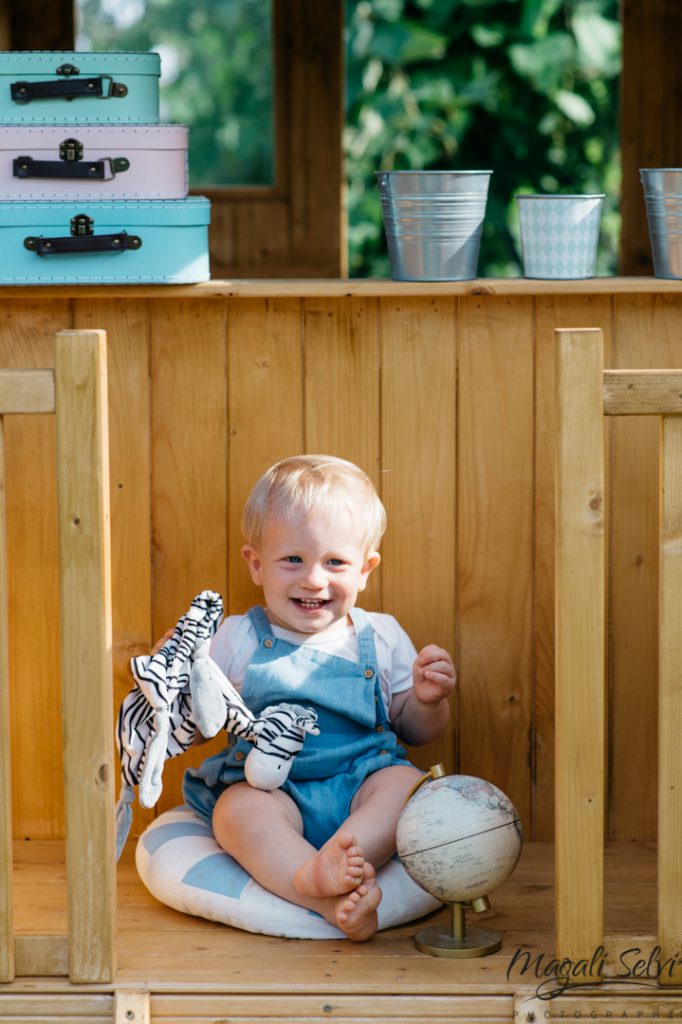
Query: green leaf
point(408, 42)
point(485, 36)
point(574, 107)
point(536, 16)
point(599, 42)
point(544, 63)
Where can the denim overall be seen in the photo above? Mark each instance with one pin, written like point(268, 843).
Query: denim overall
point(355, 734)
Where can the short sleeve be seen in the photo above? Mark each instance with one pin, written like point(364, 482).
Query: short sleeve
point(395, 655)
point(233, 646)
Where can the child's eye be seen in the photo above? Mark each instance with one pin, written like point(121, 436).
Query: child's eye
point(336, 561)
point(293, 559)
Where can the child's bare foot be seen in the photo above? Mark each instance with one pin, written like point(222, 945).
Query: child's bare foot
point(356, 912)
point(335, 869)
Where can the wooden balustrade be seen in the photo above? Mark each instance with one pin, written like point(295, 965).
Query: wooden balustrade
point(445, 393)
point(585, 395)
point(77, 392)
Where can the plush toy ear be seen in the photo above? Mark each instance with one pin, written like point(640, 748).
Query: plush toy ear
point(208, 700)
point(308, 724)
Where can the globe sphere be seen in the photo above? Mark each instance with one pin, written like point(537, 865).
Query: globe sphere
point(459, 838)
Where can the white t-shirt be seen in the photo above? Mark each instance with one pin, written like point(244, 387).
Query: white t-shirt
point(236, 642)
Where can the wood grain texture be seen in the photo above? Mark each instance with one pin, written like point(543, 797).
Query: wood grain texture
point(550, 312)
point(670, 697)
point(86, 659)
point(642, 392)
point(265, 387)
point(580, 643)
point(41, 956)
point(27, 391)
point(418, 481)
point(341, 384)
point(127, 327)
point(646, 336)
point(27, 341)
point(6, 856)
point(202, 971)
point(495, 555)
point(131, 1006)
point(189, 471)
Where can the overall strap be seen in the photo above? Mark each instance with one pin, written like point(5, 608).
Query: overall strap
point(363, 629)
point(260, 623)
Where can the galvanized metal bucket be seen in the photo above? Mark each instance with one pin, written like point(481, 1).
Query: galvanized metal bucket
point(433, 222)
point(559, 235)
point(663, 198)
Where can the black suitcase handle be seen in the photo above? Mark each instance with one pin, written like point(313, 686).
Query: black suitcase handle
point(97, 170)
point(69, 244)
point(101, 87)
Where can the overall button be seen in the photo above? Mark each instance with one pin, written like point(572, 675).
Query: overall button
point(239, 755)
point(267, 642)
point(383, 753)
point(369, 672)
point(380, 728)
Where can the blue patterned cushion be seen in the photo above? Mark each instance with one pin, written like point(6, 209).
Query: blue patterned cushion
point(181, 864)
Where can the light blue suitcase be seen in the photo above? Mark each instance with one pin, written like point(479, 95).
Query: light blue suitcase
point(162, 241)
point(52, 87)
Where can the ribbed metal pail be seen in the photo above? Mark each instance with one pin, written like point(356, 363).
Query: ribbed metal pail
point(559, 235)
point(663, 198)
point(433, 222)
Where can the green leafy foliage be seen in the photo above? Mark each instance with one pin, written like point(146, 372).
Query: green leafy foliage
point(216, 60)
point(527, 88)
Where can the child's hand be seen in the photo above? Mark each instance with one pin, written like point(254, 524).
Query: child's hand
point(433, 675)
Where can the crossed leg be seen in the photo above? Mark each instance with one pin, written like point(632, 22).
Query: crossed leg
point(263, 830)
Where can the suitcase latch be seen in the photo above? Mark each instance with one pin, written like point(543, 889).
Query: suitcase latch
point(81, 224)
point(67, 70)
point(71, 149)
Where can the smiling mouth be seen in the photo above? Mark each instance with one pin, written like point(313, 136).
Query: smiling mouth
point(310, 604)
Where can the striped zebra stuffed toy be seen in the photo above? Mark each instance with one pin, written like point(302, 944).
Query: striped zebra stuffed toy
point(180, 690)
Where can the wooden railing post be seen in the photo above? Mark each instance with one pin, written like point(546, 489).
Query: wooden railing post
point(580, 639)
point(6, 928)
point(670, 699)
point(85, 580)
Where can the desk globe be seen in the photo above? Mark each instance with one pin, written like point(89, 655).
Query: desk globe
point(459, 838)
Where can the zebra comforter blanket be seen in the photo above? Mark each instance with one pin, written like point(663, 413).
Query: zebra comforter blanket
point(180, 690)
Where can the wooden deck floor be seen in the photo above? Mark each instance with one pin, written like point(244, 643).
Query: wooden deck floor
point(198, 971)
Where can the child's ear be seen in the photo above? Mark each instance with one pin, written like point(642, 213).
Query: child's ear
point(371, 562)
point(253, 561)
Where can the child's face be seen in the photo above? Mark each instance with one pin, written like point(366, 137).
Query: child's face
point(311, 568)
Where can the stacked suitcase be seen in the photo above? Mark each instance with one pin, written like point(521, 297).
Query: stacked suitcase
point(93, 190)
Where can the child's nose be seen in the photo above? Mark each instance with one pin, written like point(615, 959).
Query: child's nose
point(315, 577)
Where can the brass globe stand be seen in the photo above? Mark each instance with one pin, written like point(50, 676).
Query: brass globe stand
point(460, 942)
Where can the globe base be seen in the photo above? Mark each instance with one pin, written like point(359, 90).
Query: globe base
point(439, 942)
point(460, 941)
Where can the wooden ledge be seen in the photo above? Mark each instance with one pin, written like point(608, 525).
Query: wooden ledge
point(363, 288)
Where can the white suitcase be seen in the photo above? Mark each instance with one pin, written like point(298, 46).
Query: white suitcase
point(88, 161)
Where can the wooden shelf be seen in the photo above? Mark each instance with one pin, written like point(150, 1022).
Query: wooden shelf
point(361, 287)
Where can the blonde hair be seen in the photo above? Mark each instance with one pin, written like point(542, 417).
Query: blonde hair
point(305, 483)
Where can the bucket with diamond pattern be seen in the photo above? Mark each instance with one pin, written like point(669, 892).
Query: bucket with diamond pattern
point(559, 235)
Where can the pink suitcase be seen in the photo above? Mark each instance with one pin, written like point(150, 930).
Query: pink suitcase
point(86, 161)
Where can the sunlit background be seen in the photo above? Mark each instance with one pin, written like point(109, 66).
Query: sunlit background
point(527, 88)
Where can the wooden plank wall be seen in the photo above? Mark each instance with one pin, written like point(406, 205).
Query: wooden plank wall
point(447, 401)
